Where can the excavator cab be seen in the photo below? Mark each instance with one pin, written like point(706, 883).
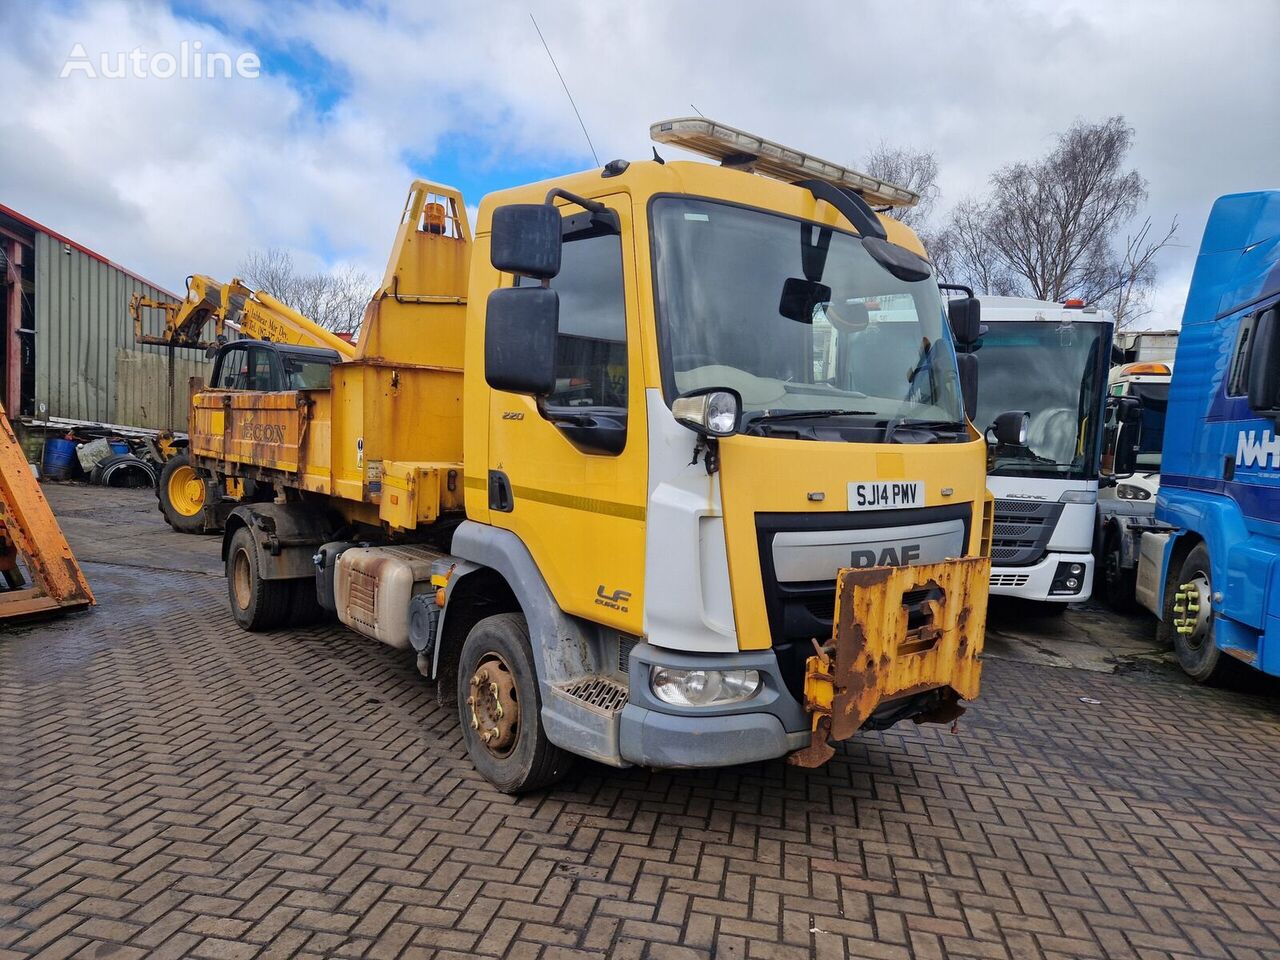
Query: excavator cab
point(264, 367)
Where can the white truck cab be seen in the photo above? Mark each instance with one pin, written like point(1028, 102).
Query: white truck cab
point(1050, 360)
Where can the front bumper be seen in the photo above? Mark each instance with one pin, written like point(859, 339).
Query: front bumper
point(1034, 582)
point(653, 733)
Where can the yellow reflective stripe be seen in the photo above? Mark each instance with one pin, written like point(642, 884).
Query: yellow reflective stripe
point(610, 508)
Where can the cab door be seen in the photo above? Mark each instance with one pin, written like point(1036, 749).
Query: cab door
point(568, 474)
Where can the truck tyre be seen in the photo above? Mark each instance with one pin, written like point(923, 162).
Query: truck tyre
point(1189, 610)
point(1118, 583)
point(500, 708)
point(181, 494)
point(256, 604)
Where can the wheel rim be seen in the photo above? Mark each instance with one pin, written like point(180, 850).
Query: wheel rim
point(1193, 610)
point(495, 711)
point(240, 581)
point(186, 491)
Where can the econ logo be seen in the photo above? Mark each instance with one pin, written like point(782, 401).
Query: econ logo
point(261, 432)
point(1258, 451)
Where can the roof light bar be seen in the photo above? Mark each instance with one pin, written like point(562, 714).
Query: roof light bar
point(737, 148)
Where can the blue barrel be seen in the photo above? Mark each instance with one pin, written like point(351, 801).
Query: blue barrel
point(119, 446)
point(59, 458)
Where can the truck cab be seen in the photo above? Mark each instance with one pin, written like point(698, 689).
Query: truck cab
point(1050, 360)
point(1127, 500)
point(1214, 579)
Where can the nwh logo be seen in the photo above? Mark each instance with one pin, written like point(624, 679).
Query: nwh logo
point(1254, 452)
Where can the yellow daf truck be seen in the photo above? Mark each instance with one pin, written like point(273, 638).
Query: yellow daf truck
point(667, 465)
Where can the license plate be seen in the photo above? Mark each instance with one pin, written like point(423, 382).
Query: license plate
point(885, 495)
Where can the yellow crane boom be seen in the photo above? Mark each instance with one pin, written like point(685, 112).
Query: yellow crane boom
point(255, 313)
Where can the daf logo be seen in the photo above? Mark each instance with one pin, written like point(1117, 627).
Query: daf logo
point(901, 555)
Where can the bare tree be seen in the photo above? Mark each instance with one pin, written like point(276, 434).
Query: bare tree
point(334, 300)
point(963, 252)
point(1051, 228)
point(916, 170)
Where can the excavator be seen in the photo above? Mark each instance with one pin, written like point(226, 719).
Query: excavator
point(277, 349)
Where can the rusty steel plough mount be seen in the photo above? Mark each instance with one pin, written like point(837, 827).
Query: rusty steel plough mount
point(38, 571)
point(898, 631)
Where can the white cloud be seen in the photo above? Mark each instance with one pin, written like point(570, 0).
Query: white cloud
point(171, 177)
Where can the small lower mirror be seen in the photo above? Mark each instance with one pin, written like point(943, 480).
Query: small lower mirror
point(520, 329)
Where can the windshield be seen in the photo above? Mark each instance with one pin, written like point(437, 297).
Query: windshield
point(795, 317)
point(1056, 373)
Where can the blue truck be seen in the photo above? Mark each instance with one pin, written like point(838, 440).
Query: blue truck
point(1214, 578)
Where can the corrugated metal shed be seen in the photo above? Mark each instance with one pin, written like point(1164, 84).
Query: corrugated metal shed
point(87, 364)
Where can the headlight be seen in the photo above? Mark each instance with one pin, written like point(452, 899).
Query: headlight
point(1131, 491)
point(713, 413)
point(703, 688)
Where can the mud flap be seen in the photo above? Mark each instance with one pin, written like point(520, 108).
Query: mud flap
point(898, 631)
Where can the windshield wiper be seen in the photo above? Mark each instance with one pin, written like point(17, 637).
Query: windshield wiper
point(892, 426)
point(765, 416)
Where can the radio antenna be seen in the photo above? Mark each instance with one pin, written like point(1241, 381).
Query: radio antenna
point(566, 90)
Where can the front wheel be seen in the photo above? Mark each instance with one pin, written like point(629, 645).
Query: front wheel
point(181, 492)
point(500, 708)
point(1190, 613)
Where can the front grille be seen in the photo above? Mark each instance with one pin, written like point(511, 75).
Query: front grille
point(1009, 579)
point(1022, 530)
point(801, 611)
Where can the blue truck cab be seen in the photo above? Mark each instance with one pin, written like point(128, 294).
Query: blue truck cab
point(1214, 580)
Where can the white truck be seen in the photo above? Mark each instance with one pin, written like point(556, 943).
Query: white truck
point(1050, 360)
point(1127, 505)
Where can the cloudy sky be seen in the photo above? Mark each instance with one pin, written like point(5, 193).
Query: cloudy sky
point(174, 176)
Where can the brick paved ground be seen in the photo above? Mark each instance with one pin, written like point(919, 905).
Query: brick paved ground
point(173, 787)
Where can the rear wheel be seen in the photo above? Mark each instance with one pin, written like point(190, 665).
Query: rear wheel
point(500, 708)
point(1118, 581)
point(1190, 613)
point(256, 604)
point(181, 491)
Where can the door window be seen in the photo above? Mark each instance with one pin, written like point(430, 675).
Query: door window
point(591, 349)
point(260, 377)
point(233, 370)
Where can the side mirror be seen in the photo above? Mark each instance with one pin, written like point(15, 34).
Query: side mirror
point(526, 240)
point(1125, 460)
point(1264, 363)
point(968, 366)
point(520, 328)
point(801, 297)
point(711, 412)
point(1010, 429)
point(1128, 410)
point(965, 317)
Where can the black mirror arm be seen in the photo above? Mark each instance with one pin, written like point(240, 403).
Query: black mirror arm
point(595, 206)
point(851, 206)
